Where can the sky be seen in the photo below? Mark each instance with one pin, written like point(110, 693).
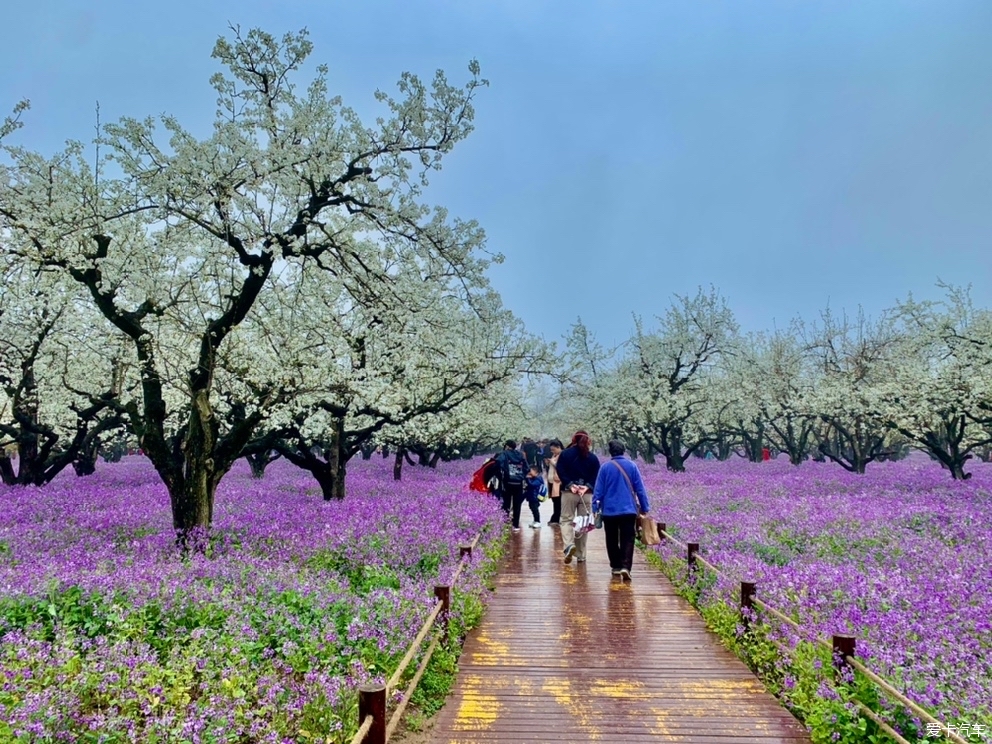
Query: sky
point(795, 155)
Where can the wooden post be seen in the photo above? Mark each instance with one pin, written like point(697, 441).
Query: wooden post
point(372, 701)
point(747, 603)
point(662, 529)
point(465, 550)
point(444, 594)
point(693, 548)
point(844, 646)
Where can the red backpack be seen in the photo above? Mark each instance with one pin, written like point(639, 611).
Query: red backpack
point(479, 479)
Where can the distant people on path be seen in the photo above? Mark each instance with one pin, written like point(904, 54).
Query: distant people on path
point(577, 469)
point(554, 482)
point(533, 490)
point(619, 495)
point(531, 451)
point(513, 473)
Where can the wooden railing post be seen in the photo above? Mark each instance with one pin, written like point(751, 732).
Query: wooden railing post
point(844, 646)
point(747, 603)
point(693, 548)
point(372, 701)
point(465, 550)
point(444, 594)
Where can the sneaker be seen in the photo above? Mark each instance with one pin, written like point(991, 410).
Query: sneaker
point(516, 529)
point(616, 571)
point(624, 574)
point(568, 551)
point(580, 560)
point(536, 525)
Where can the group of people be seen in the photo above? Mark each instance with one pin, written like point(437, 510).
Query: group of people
point(578, 486)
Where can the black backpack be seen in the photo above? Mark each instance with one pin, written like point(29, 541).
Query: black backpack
point(514, 468)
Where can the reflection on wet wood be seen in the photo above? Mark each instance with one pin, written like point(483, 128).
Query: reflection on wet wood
point(570, 653)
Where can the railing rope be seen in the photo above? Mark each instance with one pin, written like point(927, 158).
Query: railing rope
point(892, 691)
point(398, 714)
point(374, 728)
point(415, 646)
point(842, 647)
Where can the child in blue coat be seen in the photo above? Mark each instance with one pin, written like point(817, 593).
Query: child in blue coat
point(534, 492)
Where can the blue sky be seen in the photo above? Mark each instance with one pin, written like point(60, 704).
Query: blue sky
point(793, 154)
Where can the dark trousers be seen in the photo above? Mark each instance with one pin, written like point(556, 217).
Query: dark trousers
point(535, 506)
point(619, 533)
point(555, 511)
point(513, 498)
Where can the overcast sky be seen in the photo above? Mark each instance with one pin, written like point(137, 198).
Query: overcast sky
point(793, 154)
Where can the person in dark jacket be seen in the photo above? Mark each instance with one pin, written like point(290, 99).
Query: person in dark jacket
point(619, 495)
point(577, 469)
point(513, 474)
point(530, 451)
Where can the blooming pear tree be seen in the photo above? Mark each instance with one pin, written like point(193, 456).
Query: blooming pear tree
point(58, 383)
point(851, 361)
point(484, 421)
point(405, 372)
point(657, 391)
point(939, 392)
point(772, 380)
point(179, 245)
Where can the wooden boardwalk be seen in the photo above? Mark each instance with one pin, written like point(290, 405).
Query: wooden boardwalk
point(569, 653)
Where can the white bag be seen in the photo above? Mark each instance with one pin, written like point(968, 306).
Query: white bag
point(584, 522)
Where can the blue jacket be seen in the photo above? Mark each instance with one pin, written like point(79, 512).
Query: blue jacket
point(612, 495)
point(534, 486)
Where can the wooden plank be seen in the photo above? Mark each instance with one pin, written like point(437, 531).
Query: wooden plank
point(571, 653)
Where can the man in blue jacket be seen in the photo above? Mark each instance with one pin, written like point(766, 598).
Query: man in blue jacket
point(619, 495)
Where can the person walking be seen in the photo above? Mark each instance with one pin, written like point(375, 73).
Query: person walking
point(530, 451)
point(554, 482)
point(534, 491)
point(619, 495)
point(513, 472)
point(577, 469)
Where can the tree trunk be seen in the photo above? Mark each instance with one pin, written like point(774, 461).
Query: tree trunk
point(675, 462)
point(258, 463)
point(724, 449)
point(398, 464)
point(85, 460)
point(84, 465)
point(7, 470)
point(325, 479)
point(337, 489)
point(193, 498)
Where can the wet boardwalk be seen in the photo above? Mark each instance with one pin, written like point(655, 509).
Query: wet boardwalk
point(568, 653)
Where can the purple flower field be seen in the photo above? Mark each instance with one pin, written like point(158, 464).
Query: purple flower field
point(900, 557)
point(109, 636)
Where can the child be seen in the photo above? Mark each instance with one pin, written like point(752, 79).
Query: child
point(535, 491)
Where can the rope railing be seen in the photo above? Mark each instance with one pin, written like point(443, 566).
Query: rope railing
point(363, 730)
point(398, 713)
point(414, 647)
point(842, 647)
point(893, 692)
point(374, 728)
